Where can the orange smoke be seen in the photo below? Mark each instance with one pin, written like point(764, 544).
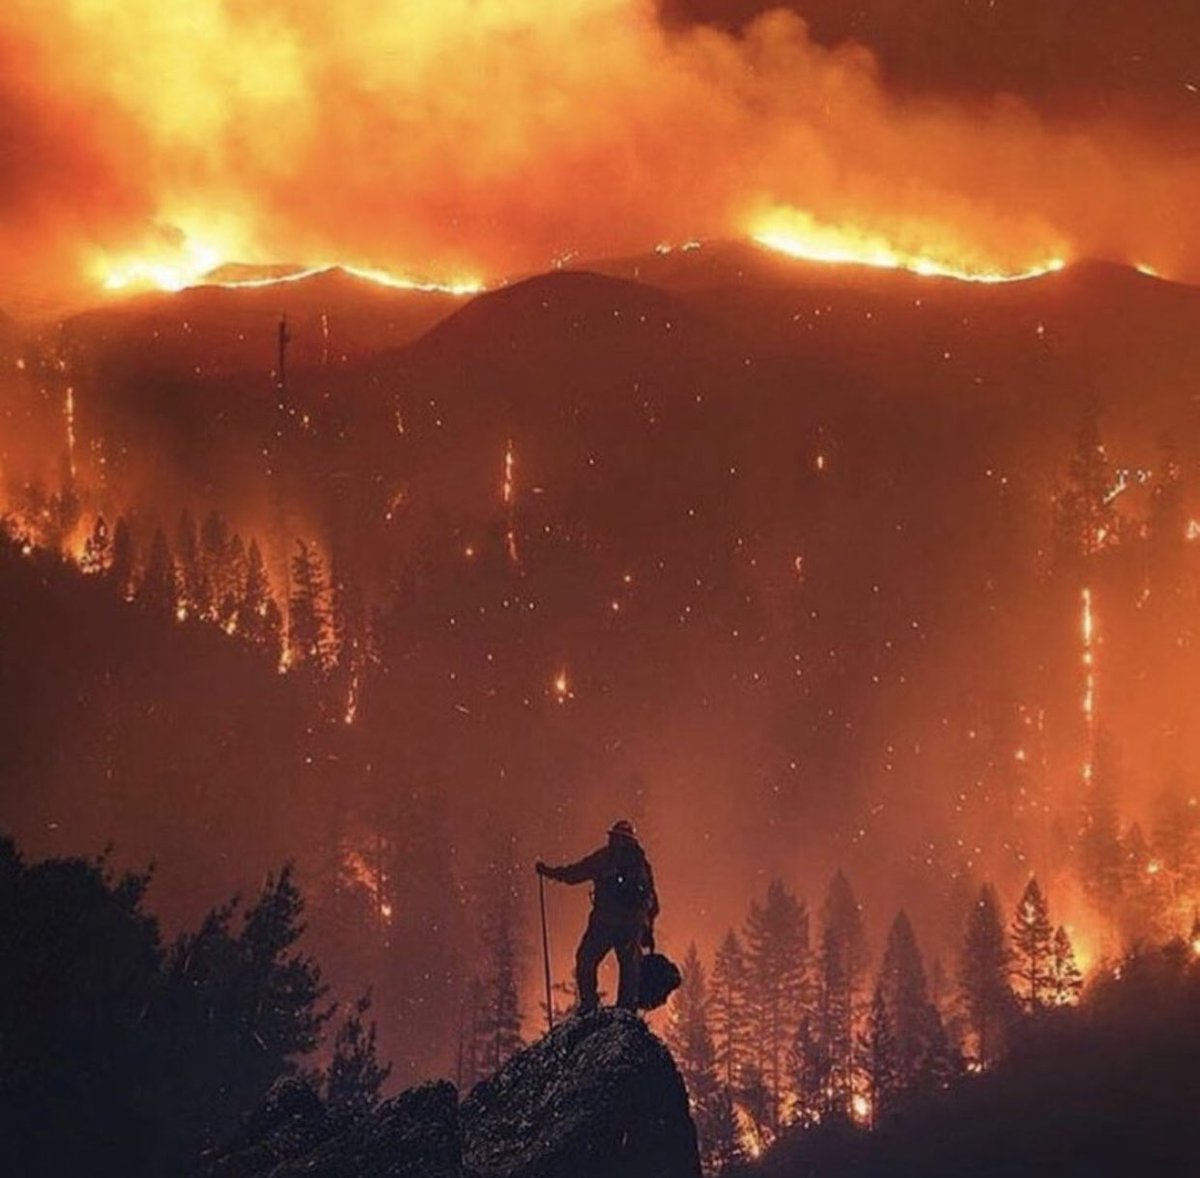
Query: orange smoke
point(472, 139)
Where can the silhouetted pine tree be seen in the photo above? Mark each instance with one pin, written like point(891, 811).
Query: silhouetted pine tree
point(1177, 838)
point(157, 588)
point(1032, 937)
point(239, 1007)
point(1100, 856)
point(1086, 521)
point(214, 560)
point(355, 1078)
point(500, 1016)
point(1066, 980)
point(777, 958)
point(258, 622)
point(427, 937)
point(841, 966)
point(879, 1052)
point(1145, 891)
point(233, 588)
point(922, 1056)
point(729, 1011)
point(473, 1050)
point(690, 1040)
point(984, 978)
point(124, 557)
point(308, 610)
point(726, 1148)
point(194, 589)
point(810, 1069)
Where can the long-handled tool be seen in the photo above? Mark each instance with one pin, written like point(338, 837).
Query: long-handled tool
point(546, 952)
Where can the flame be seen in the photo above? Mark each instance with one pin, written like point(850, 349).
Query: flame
point(501, 134)
point(799, 235)
point(508, 490)
point(1087, 624)
point(169, 268)
point(192, 263)
point(69, 414)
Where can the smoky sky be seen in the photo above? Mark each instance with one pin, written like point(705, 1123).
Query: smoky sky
point(481, 139)
point(1066, 55)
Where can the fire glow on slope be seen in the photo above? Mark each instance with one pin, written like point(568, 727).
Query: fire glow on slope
point(799, 235)
point(191, 263)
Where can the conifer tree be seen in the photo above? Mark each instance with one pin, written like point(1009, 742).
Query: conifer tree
point(308, 610)
point(428, 932)
point(355, 1078)
point(1145, 891)
point(984, 977)
point(500, 1017)
point(120, 569)
point(690, 1040)
point(257, 615)
point(1086, 521)
point(157, 589)
point(1066, 980)
point(214, 559)
point(921, 1055)
point(879, 1051)
point(1100, 855)
point(195, 591)
point(1177, 838)
point(777, 958)
point(726, 1149)
point(842, 962)
point(233, 588)
point(730, 1011)
point(1032, 937)
point(810, 1069)
point(473, 1050)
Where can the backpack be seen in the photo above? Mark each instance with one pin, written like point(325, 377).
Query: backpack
point(658, 980)
point(628, 885)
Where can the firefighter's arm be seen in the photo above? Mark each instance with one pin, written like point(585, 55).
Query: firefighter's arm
point(587, 868)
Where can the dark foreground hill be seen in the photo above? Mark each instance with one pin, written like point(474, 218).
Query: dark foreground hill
point(597, 1097)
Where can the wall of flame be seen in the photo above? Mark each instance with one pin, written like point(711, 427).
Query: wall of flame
point(477, 138)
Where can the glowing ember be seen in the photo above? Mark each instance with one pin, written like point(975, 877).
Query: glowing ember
point(797, 234)
point(509, 465)
point(69, 412)
point(562, 687)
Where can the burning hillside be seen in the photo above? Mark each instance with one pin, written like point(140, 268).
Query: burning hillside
point(473, 141)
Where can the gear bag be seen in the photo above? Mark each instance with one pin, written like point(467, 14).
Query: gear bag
point(658, 980)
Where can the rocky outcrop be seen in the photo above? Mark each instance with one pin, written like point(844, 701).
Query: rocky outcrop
point(599, 1097)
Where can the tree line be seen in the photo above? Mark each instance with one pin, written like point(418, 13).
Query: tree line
point(124, 1053)
point(788, 1027)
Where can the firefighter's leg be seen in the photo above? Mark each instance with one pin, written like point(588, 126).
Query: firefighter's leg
point(629, 956)
point(595, 944)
